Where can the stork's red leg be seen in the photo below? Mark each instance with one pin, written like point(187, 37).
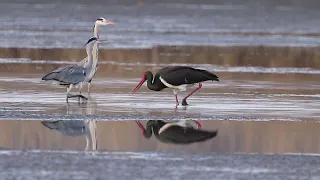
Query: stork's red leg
point(184, 100)
point(177, 101)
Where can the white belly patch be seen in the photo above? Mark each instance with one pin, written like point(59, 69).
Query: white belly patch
point(182, 87)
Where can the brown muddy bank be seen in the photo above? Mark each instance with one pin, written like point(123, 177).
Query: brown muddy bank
point(263, 56)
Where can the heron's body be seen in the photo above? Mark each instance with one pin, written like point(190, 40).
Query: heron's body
point(177, 78)
point(74, 75)
point(181, 132)
point(76, 128)
point(99, 21)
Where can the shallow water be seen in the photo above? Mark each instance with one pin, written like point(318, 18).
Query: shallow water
point(233, 137)
point(252, 95)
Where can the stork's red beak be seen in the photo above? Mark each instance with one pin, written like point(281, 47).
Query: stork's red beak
point(198, 124)
point(143, 130)
point(139, 85)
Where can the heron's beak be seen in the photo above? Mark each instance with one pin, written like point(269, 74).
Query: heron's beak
point(110, 22)
point(139, 85)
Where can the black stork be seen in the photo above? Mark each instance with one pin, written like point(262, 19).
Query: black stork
point(177, 78)
point(181, 132)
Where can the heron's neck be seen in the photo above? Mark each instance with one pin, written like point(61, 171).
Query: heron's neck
point(88, 65)
point(91, 136)
point(151, 83)
point(96, 30)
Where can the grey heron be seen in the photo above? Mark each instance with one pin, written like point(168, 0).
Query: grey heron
point(75, 75)
point(85, 128)
point(99, 21)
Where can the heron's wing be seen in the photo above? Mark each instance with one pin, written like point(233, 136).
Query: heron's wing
point(179, 75)
point(71, 74)
point(181, 135)
point(69, 127)
point(53, 75)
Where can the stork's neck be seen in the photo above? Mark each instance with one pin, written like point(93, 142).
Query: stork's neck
point(148, 132)
point(95, 30)
point(151, 83)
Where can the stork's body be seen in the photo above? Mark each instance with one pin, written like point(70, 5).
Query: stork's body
point(181, 132)
point(99, 21)
point(74, 75)
point(177, 78)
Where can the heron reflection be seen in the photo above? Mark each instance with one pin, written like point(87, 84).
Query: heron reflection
point(86, 128)
point(180, 132)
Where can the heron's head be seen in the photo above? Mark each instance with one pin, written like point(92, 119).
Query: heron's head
point(103, 21)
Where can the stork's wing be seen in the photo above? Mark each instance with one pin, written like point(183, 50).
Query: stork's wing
point(178, 75)
point(181, 135)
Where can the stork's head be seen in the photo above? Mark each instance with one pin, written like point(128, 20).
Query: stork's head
point(103, 21)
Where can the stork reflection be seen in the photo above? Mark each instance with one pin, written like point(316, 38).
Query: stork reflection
point(86, 128)
point(180, 132)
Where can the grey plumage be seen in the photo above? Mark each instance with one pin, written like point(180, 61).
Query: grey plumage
point(99, 21)
point(67, 75)
point(85, 128)
point(68, 128)
point(74, 75)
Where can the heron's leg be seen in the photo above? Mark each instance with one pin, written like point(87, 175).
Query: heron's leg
point(78, 96)
point(184, 100)
point(68, 91)
point(72, 96)
point(89, 83)
point(80, 88)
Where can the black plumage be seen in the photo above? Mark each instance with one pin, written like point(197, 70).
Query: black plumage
point(174, 133)
point(178, 78)
point(179, 75)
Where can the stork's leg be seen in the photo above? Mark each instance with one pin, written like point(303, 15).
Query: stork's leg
point(184, 100)
point(176, 95)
